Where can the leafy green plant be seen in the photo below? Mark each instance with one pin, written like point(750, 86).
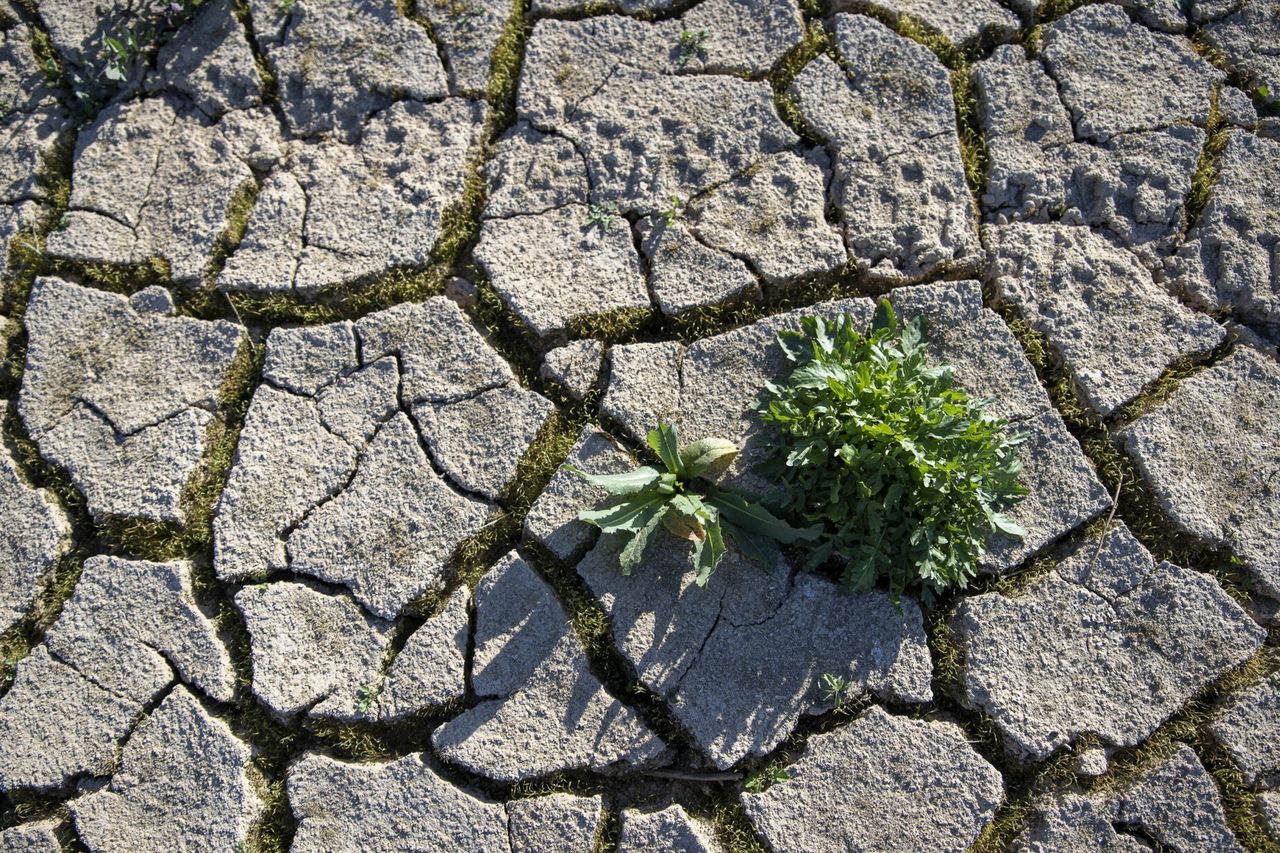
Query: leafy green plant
point(674, 212)
point(690, 45)
point(766, 777)
point(120, 51)
point(601, 215)
point(681, 500)
point(905, 475)
point(365, 697)
point(836, 689)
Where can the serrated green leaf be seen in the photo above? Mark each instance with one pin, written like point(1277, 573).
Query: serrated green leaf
point(665, 442)
point(628, 483)
point(708, 457)
point(914, 470)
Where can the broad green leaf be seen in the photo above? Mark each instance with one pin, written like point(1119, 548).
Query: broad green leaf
point(795, 346)
point(885, 318)
point(708, 457)
point(628, 515)
point(913, 335)
point(1006, 525)
point(707, 552)
point(762, 549)
point(634, 552)
point(665, 442)
point(757, 520)
point(629, 483)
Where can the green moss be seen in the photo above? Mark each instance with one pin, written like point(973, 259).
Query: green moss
point(732, 827)
point(1052, 10)
point(46, 55)
point(1137, 506)
point(1207, 166)
point(945, 650)
point(504, 65)
point(1023, 787)
point(815, 42)
point(237, 216)
point(973, 145)
point(608, 832)
point(153, 540)
point(1188, 726)
point(617, 326)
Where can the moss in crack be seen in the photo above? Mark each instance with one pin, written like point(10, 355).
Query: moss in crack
point(1137, 506)
point(617, 326)
point(732, 828)
point(815, 42)
point(159, 541)
point(19, 639)
point(28, 808)
point(1022, 788)
point(270, 87)
point(505, 63)
point(910, 27)
point(608, 832)
point(16, 642)
point(973, 145)
point(124, 279)
point(595, 634)
point(237, 219)
point(513, 340)
point(1163, 388)
point(47, 58)
point(1052, 10)
point(945, 650)
point(1207, 166)
point(1188, 726)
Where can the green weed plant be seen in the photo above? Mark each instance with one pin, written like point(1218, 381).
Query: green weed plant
point(683, 501)
point(904, 474)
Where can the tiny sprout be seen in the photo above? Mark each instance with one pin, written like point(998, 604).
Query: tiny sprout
point(365, 697)
point(836, 689)
point(601, 215)
point(674, 212)
point(762, 779)
point(690, 45)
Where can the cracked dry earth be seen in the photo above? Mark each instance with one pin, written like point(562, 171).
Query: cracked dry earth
point(304, 316)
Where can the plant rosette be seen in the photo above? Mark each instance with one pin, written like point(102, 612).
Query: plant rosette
point(683, 501)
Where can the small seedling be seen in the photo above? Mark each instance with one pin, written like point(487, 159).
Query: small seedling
point(905, 474)
point(1264, 91)
point(690, 45)
point(836, 689)
point(680, 500)
point(601, 215)
point(674, 212)
point(365, 697)
point(121, 50)
point(761, 780)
